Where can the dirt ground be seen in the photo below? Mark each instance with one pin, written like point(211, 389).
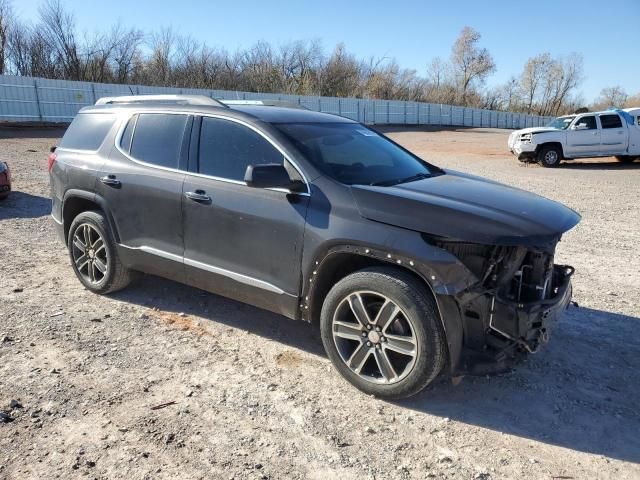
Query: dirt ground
point(252, 394)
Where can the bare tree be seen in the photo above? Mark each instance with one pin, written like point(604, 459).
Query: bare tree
point(611, 97)
point(58, 31)
point(536, 70)
point(159, 64)
point(340, 77)
point(52, 48)
point(633, 101)
point(6, 19)
point(127, 57)
point(471, 64)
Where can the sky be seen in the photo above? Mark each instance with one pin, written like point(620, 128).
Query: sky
point(411, 31)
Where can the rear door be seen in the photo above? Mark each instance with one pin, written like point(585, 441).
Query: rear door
point(142, 184)
point(241, 242)
point(583, 137)
point(614, 134)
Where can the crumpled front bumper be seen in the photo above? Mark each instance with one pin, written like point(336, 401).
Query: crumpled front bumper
point(512, 329)
point(530, 324)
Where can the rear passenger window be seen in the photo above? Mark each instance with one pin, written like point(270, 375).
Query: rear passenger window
point(87, 131)
point(228, 148)
point(157, 138)
point(610, 121)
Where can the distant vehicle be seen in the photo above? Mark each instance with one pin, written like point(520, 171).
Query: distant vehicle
point(410, 269)
point(5, 180)
point(595, 134)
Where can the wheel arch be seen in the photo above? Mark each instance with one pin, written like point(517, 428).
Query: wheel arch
point(554, 144)
point(344, 260)
point(77, 201)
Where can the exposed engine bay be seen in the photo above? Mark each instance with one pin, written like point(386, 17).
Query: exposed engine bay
point(515, 301)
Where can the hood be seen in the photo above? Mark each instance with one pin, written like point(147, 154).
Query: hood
point(537, 130)
point(467, 208)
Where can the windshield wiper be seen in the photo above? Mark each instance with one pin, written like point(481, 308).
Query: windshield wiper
point(412, 178)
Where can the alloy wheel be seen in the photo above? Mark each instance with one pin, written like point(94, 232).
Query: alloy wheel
point(551, 157)
point(374, 337)
point(89, 253)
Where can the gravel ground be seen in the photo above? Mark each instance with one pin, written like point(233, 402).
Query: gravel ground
point(249, 394)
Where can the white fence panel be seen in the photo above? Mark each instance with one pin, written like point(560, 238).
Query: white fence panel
point(27, 99)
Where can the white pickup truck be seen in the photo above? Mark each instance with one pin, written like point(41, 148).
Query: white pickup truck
point(594, 134)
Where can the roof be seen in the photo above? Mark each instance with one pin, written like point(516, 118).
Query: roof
point(288, 115)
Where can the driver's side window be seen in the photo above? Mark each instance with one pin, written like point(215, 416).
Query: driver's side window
point(227, 148)
point(588, 121)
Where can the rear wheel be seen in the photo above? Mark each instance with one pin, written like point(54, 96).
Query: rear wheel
point(549, 156)
point(93, 254)
point(625, 158)
point(381, 329)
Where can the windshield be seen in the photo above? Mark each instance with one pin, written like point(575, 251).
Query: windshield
point(561, 123)
point(354, 154)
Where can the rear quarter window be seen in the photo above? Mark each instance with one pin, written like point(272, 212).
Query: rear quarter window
point(87, 131)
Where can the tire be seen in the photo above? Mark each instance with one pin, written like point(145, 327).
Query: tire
point(549, 156)
point(625, 158)
point(100, 257)
point(414, 328)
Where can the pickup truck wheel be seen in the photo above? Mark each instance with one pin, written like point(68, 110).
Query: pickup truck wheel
point(381, 329)
point(93, 254)
point(625, 158)
point(549, 156)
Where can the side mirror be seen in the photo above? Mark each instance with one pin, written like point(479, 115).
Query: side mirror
point(271, 175)
point(580, 126)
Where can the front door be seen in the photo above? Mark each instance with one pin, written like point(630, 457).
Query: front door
point(241, 242)
point(614, 134)
point(583, 137)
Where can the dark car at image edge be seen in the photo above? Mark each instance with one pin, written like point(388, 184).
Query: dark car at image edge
point(5, 180)
point(411, 270)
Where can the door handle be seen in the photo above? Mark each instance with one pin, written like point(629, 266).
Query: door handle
point(198, 196)
point(111, 181)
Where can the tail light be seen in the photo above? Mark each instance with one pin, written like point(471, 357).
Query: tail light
point(51, 160)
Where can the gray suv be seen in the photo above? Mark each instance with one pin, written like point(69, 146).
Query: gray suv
point(411, 270)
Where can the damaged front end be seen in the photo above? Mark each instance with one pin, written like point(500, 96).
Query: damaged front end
point(511, 309)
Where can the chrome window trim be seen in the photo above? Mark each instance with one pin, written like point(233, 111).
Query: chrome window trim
point(138, 112)
point(238, 277)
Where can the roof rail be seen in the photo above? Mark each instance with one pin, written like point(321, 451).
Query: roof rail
point(265, 103)
point(164, 99)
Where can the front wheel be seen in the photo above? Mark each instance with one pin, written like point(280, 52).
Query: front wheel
point(550, 156)
point(381, 329)
point(93, 254)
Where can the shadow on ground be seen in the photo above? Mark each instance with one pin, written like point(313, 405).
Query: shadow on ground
point(580, 392)
point(615, 165)
point(24, 205)
point(577, 393)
